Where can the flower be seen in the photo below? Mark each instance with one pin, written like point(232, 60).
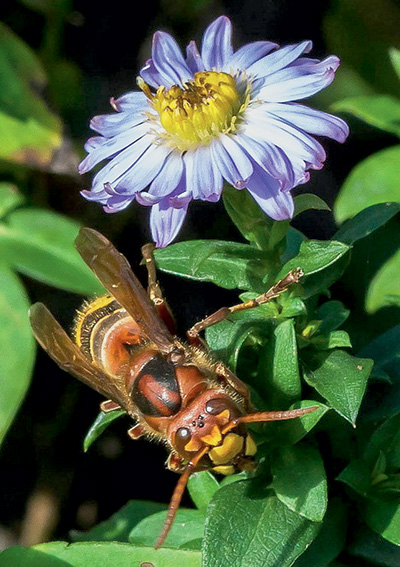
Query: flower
point(214, 115)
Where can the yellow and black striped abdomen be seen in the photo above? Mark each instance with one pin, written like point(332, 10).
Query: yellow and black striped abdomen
point(106, 334)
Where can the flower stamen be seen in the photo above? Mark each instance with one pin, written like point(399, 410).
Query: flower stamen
point(198, 111)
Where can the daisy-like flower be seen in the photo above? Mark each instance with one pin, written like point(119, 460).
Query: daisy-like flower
point(214, 115)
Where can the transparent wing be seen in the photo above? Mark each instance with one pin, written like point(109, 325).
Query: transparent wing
point(115, 273)
point(52, 337)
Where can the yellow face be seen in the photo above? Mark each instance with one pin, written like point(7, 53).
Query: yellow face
point(204, 423)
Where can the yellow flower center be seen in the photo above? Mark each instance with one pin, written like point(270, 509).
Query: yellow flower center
point(198, 112)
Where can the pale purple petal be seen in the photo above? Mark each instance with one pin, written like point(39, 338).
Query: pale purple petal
point(134, 101)
point(110, 125)
point(193, 58)
point(203, 177)
point(168, 60)
point(279, 59)
point(271, 158)
point(143, 171)
point(295, 84)
point(292, 141)
point(231, 160)
point(216, 48)
point(116, 203)
point(311, 121)
point(169, 176)
point(265, 190)
point(249, 54)
point(112, 146)
point(118, 166)
point(166, 221)
point(150, 75)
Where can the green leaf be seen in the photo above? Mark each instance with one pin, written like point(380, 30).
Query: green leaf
point(294, 238)
point(249, 218)
point(29, 132)
point(202, 486)
point(188, 526)
point(370, 546)
point(9, 198)
point(314, 256)
point(322, 281)
point(279, 376)
point(394, 55)
point(330, 540)
point(357, 475)
point(250, 526)
point(299, 481)
point(383, 516)
point(227, 264)
point(100, 424)
point(366, 222)
point(341, 379)
point(307, 201)
point(119, 525)
point(333, 315)
point(384, 288)
point(386, 439)
point(335, 339)
point(17, 347)
point(40, 244)
point(382, 111)
point(292, 431)
point(61, 554)
point(374, 180)
point(227, 338)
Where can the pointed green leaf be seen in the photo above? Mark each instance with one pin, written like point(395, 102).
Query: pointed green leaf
point(307, 201)
point(299, 481)
point(188, 526)
point(341, 379)
point(333, 315)
point(202, 486)
point(40, 244)
point(357, 475)
point(383, 516)
point(279, 376)
point(61, 554)
point(293, 430)
point(382, 111)
point(227, 264)
point(374, 180)
point(100, 424)
point(315, 255)
point(335, 339)
point(9, 198)
point(17, 347)
point(366, 222)
point(249, 525)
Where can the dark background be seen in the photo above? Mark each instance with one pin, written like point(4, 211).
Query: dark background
point(43, 469)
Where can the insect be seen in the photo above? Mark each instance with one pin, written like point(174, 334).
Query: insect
point(124, 347)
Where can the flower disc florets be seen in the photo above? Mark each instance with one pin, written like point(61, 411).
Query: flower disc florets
point(215, 115)
point(200, 110)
